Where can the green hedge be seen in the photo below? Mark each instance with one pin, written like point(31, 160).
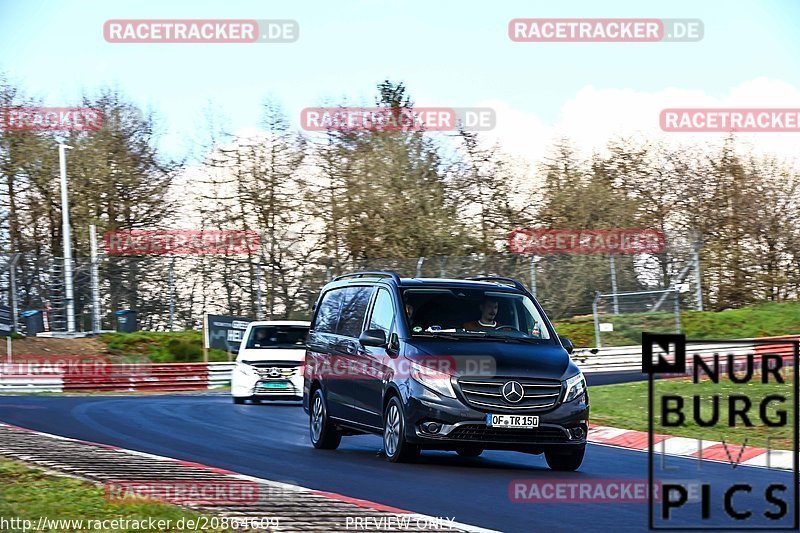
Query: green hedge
point(161, 346)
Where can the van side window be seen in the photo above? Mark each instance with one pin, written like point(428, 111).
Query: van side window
point(382, 313)
point(328, 314)
point(354, 308)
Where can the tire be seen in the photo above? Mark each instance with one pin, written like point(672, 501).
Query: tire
point(395, 445)
point(469, 452)
point(255, 401)
point(324, 436)
point(238, 400)
point(565, 461)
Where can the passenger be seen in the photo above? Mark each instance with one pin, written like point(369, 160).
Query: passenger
point(488, 309)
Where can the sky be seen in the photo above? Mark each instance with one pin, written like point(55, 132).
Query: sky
point(448, 53)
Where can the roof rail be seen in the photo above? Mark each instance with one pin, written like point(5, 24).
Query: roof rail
point(506, 281)
point(377, 274)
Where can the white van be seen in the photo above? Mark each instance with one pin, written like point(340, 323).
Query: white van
point(269, 363)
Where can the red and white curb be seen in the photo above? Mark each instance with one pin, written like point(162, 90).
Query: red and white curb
point(706, 450)
point(409, 517)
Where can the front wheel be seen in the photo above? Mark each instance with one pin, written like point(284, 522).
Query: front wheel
point(397, 448)
point(324, 435)
point(565, 460)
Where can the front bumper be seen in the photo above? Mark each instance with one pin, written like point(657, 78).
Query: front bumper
point(247, 386)
point(463, 426)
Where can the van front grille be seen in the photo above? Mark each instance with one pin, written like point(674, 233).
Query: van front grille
point(486, 394)
point(275, 370)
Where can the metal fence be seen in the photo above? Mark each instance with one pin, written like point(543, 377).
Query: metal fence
point(625, 312)
point(173, 292)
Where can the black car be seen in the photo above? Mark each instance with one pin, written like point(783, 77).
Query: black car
point(463, 365)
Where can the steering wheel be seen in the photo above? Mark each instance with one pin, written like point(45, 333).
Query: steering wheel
point(506, 327)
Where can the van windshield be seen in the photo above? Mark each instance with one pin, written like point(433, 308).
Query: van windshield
point(277, 337)
point(473, 313)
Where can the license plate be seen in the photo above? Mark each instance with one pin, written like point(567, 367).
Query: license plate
point(512, 421)
point(279, 385)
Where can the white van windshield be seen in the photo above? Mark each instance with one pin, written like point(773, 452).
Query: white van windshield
point(277, 337)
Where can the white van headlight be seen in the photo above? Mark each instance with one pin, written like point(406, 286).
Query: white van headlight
point(247, 370)
point(576, 386)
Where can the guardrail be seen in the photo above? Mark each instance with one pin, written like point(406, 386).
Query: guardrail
point(629, 358)
point(166, 377)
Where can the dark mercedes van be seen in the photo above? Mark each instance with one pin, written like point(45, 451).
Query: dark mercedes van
point(448, 364)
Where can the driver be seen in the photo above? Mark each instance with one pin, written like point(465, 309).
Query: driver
point(488, 309)
point(260, 338)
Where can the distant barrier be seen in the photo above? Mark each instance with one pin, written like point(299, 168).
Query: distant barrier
point(164, 377)
point(629, 358)
point(169, 377)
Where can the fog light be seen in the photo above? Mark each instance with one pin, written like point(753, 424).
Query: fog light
point(431, 427)
point(577, 433)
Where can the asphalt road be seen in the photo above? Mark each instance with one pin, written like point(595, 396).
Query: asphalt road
point(271, 441)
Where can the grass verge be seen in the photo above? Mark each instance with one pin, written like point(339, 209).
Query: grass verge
point(764, 320)
point(28, 493)
point(625, 406)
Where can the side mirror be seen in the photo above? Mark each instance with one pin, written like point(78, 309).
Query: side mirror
point(567, 344)
point(373, 337)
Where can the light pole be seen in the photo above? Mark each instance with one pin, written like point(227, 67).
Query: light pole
point(67, 240)
point(95, 280)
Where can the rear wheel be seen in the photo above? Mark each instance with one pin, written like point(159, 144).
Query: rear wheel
point(324, 435)
point(237, 400)
point(565, 460)
point(469, 452)
point(395, 445)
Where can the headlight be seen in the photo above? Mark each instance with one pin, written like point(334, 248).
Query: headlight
point(433, 379)
point(247, 370)
point(576, 386)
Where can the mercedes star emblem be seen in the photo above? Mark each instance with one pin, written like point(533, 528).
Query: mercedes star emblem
point(512, 391)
